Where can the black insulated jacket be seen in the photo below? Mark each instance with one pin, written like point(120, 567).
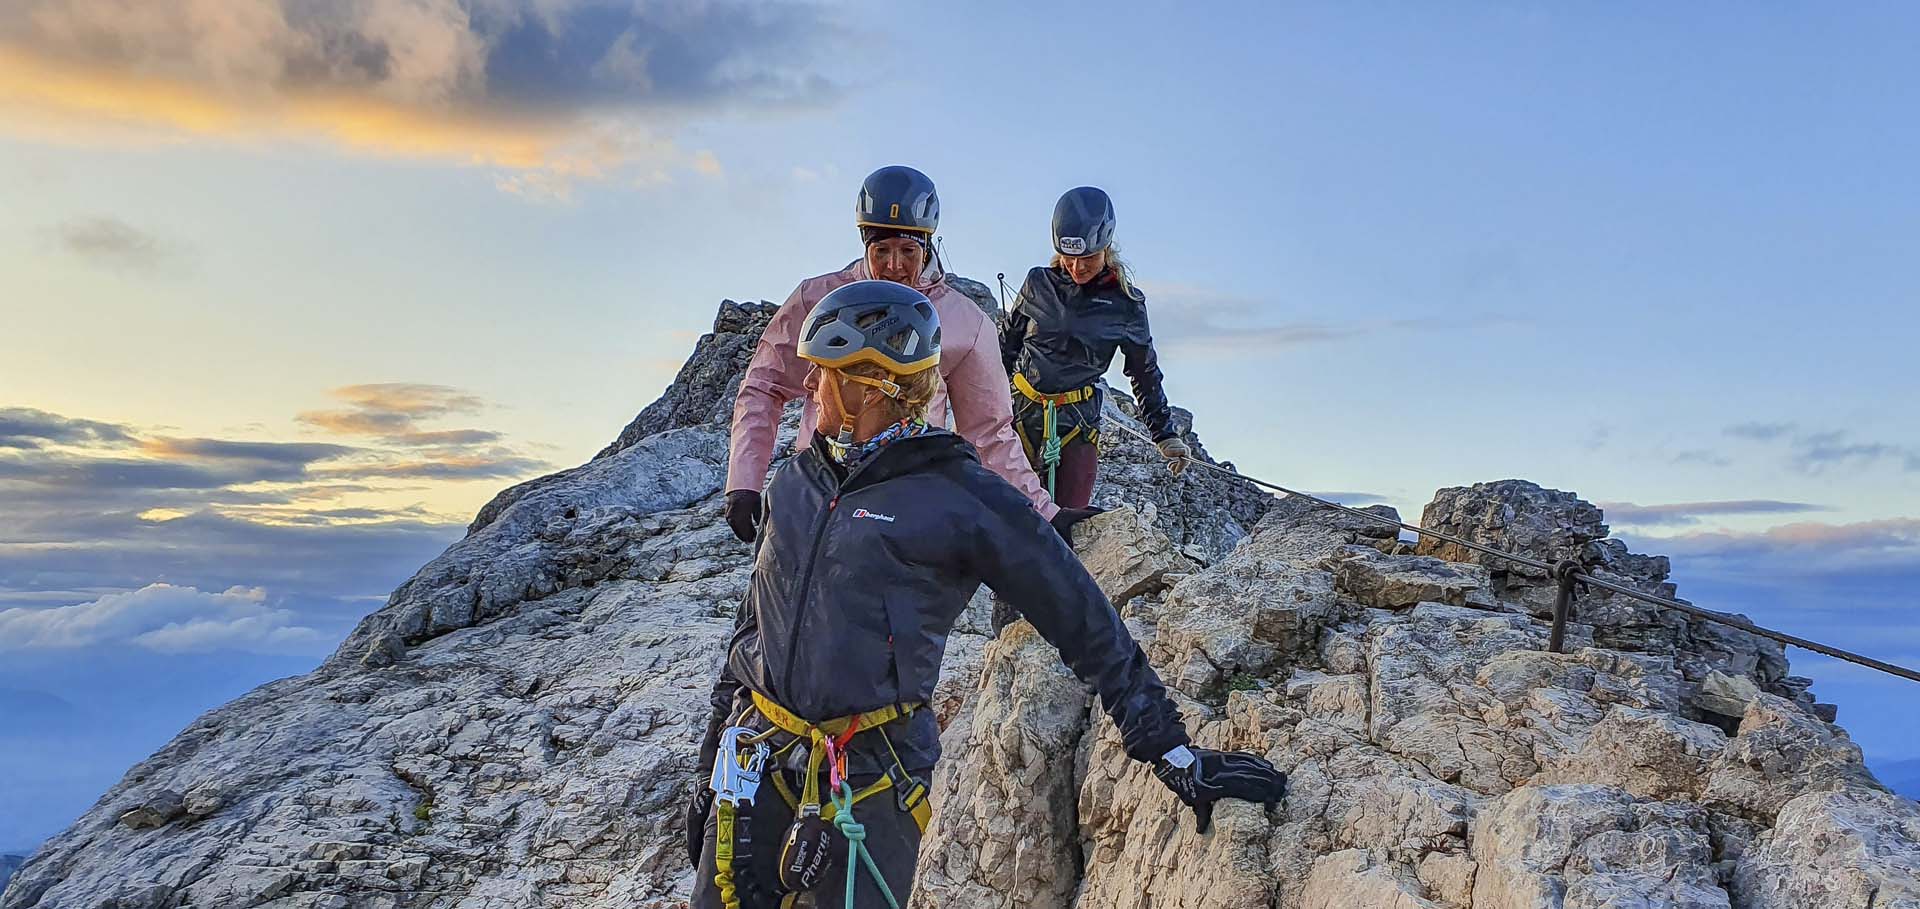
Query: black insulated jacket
point(859, 578)
point(1062, 336)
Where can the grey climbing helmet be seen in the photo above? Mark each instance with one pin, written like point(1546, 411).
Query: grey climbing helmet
point(1082, 222)
point(880, 322)
point(900, 198)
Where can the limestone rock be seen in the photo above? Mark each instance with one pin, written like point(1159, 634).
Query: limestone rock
point(1843, 849)
point(1399, 582)
point(1448, 877)
point(204, 800)
point(1592, 846)
point(1204, 513)
point(1726, 695)
point(702, 393)
point(1351, 878)
point(1512, 516)
point(1650, 754)
point(1140, 845)
point(1003, 832)
point(157, 809)
point(1127, 554)
point(1780, 753)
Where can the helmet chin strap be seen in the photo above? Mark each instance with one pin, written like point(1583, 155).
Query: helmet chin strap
point(832, 376)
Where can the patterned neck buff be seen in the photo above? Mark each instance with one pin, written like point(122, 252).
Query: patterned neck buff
point(855, 454)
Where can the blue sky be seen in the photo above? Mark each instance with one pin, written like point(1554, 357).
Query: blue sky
point(282, 316)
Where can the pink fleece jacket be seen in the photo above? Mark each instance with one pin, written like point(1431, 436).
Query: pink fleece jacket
point(973, 381)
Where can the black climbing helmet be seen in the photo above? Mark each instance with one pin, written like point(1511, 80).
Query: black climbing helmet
point(900, 198)
point(881, 322)
point(1082, 222)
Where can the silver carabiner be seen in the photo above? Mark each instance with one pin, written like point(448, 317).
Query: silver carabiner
point(748, 779)
point(733, 781)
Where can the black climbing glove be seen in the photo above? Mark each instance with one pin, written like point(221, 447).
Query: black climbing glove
point(1067, 517)
point(1216, 775)
point(698, 808)
point(743, 513)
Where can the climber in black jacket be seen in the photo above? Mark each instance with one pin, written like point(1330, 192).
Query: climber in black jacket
point(1060, 338)
point(873, 540)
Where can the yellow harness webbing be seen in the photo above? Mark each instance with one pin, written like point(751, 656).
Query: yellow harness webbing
point(1025, 387)
point(913, 800)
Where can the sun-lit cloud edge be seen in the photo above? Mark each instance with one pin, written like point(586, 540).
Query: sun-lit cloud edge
point(52, 100)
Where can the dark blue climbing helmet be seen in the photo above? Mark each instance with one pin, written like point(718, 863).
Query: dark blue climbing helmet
point(900, 198)
point(889, 325)
point(1082, 222)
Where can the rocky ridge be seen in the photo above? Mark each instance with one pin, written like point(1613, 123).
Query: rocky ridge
point(517, 726)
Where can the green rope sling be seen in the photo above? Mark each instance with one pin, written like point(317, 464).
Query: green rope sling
point(856, 834)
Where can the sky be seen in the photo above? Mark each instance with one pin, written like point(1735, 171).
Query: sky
point(289, 288)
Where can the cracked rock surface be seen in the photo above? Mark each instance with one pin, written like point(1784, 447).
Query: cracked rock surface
point(516, 728)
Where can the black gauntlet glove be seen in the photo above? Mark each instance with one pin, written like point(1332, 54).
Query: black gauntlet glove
point(1067, 517)
point(697, 809)
point(743, 513)
point(1214, 775)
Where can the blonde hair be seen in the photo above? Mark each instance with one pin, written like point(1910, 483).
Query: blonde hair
point(1121, 270)
point(916, 390)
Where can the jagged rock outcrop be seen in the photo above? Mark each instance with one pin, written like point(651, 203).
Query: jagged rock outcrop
point(517, 726)
point(1441, 759)
point(8, 865)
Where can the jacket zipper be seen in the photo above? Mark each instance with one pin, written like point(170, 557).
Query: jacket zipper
point(806, 593)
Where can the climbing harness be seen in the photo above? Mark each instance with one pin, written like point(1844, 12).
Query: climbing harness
point(1051, 442)
point(746, 754)
point(1566, 574)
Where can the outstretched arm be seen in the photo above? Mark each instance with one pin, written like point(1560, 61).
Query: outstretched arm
point(1025, 562)
point(1038, 575)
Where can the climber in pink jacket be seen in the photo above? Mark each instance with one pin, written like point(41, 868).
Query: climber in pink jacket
point(897, 213)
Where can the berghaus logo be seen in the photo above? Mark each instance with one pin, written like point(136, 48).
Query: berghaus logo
point(873, 515)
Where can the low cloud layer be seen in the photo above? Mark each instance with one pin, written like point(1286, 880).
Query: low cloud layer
point(1817, 451)
point(1684, 514)
point(91, 510)
point(25, 427)
point(1808, 547)
point(162, 618)
point(571, 89)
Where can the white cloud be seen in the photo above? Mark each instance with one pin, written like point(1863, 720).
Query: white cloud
point(162, 618)
point(571, 90)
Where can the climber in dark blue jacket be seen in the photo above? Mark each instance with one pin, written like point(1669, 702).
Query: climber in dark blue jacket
point(1060, 337)
point(874, 539)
